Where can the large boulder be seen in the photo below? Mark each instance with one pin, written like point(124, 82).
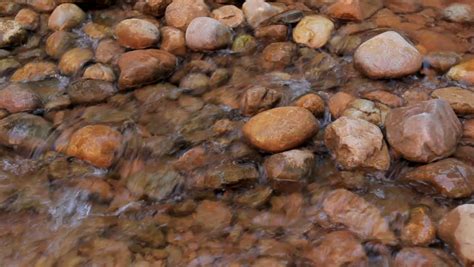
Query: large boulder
point(425, 131)
point(387, 55)
point(456, 229)
point(356, 143)
point(280, 129)
point(141, 67)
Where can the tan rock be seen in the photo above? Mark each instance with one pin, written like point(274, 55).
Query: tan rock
point(311, 102)
point(280, 129)
point(11, 33)
point(99, 72)
point(181, 12)
point(206, 34)
point(338, 103)
point(65, 17)
point(461, 100)
point(96, 144)
point(230, 15)
point(136, 33)
point(356, 143)
point(367, 110)
point(463, 72)
point(387, 55)
point(449, 177)
point(358, 215)
point(313, 31)
point(354, 9)
point(425, 131)
point(278, 55)
point(468, 129)
point(173, 41)
point(456, 230)
point(34, 71)
point(257, 11)
point(28, 19)
point(141, 67)
point(97, 31)
point(73, 60)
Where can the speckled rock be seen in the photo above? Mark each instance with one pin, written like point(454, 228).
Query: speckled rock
point(11, 33)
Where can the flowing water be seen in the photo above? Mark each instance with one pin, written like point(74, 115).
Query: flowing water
point(185, 188)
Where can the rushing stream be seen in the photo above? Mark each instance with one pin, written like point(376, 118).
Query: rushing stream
point(236, 133)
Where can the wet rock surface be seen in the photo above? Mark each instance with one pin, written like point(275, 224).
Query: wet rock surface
point(423, 132)
point(236, 133)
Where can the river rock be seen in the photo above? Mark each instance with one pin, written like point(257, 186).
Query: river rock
point(311, 102)
point(207, 34)
point(181, 12)
point(459, 12)
point(425, 131)
point(449, 177)
point(257, 11)
point(289, 167)
point(90, 91)
point(213, 216)
point(280, 129)
point(28, 19)
point(456, 229)
point(338, 248)
point(11, 33)
point(58, 43)
point(65, 17)
point(461, 100)
point(137, 33)
point(73, 60)
point(197, 83)
point(230, 15)
point(354, 9)
point(338, 103)
point(141, 67)
point(356, 143)
point(367, 110)
point(96, 144)
point(416, 256)
point(99, 72)
point(442, 61)
point(387, 55)
point(358, 215)
point(24, 131)
point(257, 99)
point(385, 98)
point(419, 230)
point(34, 71)
point(108, 51)
point(313, 31)
point(463, 73)
point(18, 98)
point(173, 41)
point(278, 55)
